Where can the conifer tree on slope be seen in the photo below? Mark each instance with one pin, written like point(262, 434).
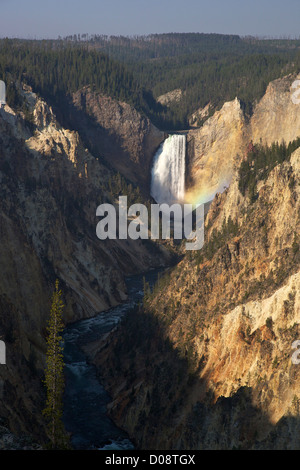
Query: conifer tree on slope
point(54, 375)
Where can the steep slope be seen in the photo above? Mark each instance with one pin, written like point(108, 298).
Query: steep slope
point(214, 369)
point(50, 189)
point(216, 147)
point(212, 151)
point(126, 139)
point(276, 117)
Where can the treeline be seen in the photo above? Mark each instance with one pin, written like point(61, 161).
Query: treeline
point(208, 68)
point(157, 46)
point(55, 71)
point(212, 79)
point(154, 46)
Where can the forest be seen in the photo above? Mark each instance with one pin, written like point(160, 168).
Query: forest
point(260, 161)
point(207, 68)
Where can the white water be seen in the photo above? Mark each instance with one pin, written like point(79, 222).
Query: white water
point(168, 172)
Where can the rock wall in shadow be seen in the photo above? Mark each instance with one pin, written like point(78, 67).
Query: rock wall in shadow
point(115, 132)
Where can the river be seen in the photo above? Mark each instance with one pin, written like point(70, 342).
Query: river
point(85, 399)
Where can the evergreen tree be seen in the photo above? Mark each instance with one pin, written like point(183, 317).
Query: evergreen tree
point(54, 376)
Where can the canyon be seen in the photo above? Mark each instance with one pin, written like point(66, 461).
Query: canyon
point(51, 185)
point(115, 130)
point(206, 362)
point(216, 148)
point(213, 369)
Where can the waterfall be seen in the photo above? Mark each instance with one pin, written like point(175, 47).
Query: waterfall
point(168, 172)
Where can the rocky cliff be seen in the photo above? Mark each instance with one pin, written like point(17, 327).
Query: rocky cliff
point(174, 96)
point(207, 362)
point(115, 130)
point(214, 369)
point(216, 147)
point(51, 186)
point(212, 151)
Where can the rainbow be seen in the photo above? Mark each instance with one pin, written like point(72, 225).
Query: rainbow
point(201, 195)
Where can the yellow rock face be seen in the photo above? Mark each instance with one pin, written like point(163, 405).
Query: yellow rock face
point(216, 147)
point(212, 151)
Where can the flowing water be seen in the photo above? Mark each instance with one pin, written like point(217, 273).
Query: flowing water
point(168, 172)
point(85, 398)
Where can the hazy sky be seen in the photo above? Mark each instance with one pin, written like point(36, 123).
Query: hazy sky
point(48, 19)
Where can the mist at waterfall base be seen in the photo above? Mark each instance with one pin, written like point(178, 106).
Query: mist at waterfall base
point(86, 400)
point(169, 173)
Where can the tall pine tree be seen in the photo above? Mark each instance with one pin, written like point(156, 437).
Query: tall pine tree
point(54, 375)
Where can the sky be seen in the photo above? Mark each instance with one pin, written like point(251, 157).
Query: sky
point(50, 19)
